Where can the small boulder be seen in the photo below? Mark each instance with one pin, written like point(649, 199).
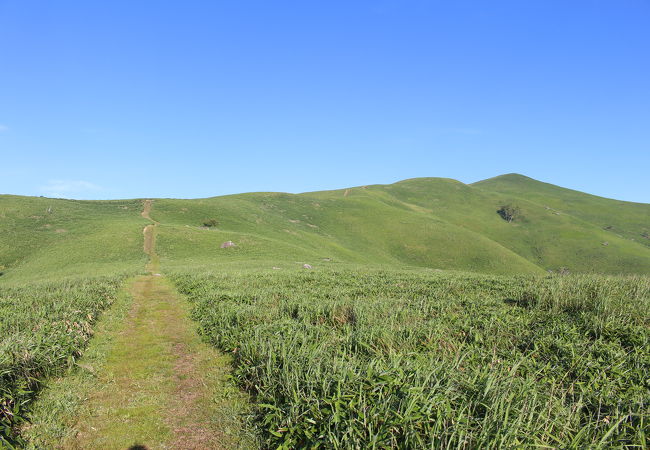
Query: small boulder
point(307, 266)
point(228, 244)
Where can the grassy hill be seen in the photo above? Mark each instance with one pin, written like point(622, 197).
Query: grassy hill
point(428, 222)
point(42, 238)
point(432, 223)
point(619, 218)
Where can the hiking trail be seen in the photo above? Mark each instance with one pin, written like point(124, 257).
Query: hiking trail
point(160, 386)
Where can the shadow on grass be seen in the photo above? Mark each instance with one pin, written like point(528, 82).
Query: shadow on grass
point(522, 303)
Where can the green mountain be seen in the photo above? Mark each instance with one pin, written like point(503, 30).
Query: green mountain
point(431, 223)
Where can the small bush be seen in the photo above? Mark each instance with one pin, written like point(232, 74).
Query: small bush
point(210, 223)
point(509, 212)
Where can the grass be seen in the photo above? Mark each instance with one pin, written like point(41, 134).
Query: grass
point(50, 239)
point(429, 222)
point(388, 342)
point(45, 329)
point(53, 415)
point(619, 218)
point(164, 398)
point(359, 358)
point(170, 395)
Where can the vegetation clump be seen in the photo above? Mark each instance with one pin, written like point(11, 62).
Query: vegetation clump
point(210, 223)
point(509, 212)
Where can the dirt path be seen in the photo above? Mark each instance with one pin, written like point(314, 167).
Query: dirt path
point(149, 233)
point(160, 387)
point(146, 210)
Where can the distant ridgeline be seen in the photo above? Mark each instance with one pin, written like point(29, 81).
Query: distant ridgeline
point(505, 225)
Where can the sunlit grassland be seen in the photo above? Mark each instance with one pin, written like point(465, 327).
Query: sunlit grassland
point(618, 218)
point(44, 328)
point(389, 340)
point(50, 239)
point(62, 263)
point(362, 358)
point(426, 222)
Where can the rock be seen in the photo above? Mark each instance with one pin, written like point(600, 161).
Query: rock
point(228, 244)
point(276, 268)
point(307, 266)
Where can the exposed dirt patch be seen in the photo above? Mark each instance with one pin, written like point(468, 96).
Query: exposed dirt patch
point(149, 239)
point(190, 427)
point(60, 230)
point(146, 209)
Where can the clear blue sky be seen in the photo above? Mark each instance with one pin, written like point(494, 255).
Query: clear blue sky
point(118, 99)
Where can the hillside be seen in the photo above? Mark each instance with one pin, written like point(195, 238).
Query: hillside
point(431, 223)
point(46, 238)
point(620, 218)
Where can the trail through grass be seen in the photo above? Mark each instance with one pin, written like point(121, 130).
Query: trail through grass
point(159, 382)
point(158, 385)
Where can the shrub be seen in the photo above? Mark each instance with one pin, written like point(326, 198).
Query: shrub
point(509, 212)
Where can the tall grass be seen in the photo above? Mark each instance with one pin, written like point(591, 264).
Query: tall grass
point(353, 359)
point(44, 329)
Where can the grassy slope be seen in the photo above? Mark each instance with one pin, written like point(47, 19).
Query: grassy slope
point(428, 222)
point(619, 218)
point(291, 229)
point(547, 237)
point(74, 238)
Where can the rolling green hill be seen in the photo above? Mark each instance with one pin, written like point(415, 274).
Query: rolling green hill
point(42, 238)
point(619, 218)
point(430, 223)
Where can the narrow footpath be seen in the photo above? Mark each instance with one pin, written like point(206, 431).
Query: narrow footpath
point(161, 386)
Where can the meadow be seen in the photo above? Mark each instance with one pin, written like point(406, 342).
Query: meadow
point(45, 328)
point(427, 320)
point(380, 359)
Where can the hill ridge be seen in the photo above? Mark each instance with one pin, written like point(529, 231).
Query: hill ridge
point(424, 222)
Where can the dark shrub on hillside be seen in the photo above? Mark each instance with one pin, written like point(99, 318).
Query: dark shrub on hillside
point(210, 223)
point(509, 212)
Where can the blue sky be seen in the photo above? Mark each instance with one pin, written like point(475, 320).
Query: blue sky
point(127, 99)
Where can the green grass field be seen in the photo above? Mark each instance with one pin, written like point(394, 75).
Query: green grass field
point(45, 328)
point(50, 239)
point(380, 359)
point(426, 319)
